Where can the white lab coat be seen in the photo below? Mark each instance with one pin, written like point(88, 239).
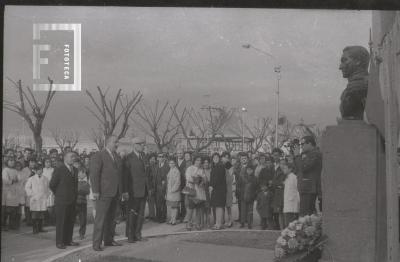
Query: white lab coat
point(24, 175)
point(48, 173)
point(37, 189)
point(10, 196)
point(291, 196)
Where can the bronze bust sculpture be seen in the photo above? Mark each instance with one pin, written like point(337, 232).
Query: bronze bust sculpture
point(354, 66)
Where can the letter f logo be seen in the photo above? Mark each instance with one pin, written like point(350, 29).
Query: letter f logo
point(37, 60)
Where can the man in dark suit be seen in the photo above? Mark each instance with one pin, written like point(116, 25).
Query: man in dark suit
point(244, 160)
point(278, 187)
point(151, 167)
point(161, 188)
point(106, 181)
point(136, 185)
point(309, 168)
point(64, 184)
point(181, 164)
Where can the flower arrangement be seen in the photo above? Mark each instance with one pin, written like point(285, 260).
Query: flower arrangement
point(301, 238)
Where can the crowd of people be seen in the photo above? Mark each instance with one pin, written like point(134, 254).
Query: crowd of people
point(53, 188)
point(26, 188)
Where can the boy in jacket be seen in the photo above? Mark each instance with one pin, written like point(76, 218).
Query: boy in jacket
point(81, 201)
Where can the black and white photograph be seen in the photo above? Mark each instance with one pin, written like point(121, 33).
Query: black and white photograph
point(196, 134)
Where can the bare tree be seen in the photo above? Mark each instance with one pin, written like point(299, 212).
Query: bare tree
point(158, 123)
point(64, 138)
point(259, 131)
point(207, 125)
point(285, 132)
point(35, 114)
point(112, 112)
point(12, 141)
point(97, 136)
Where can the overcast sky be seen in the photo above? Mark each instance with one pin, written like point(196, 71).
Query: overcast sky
point(187, 53)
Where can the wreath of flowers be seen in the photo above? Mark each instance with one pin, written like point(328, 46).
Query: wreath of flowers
point(301, 236)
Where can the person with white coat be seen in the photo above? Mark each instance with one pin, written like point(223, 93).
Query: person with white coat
point(291, 196)
point(51, 214)
point(10, 197)
point(173, 190)
point(37, 189)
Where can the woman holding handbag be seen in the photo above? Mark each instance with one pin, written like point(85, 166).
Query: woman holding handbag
point(173, 190)
point(192, 189)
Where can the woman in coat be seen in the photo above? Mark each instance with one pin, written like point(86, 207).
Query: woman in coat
point(173, 190)
point(230, 179)
point(207, 205)
point(277, 201)
point(291, 196)
point(10, 197)
point(195, 179)
point(218, 190)
point(37, 189)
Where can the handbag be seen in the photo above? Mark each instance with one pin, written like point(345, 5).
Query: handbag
point(191, 192)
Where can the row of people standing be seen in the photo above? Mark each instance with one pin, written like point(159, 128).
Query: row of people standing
point(288, 186)
point(281, 186)
point(26, 190)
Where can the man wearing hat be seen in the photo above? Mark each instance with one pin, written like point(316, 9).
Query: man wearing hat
point(136, 186)
point(106, 180)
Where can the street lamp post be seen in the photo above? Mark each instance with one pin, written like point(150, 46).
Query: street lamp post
point(277, 70)
point(242, 112)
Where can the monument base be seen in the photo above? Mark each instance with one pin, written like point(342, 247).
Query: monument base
point(351, 164)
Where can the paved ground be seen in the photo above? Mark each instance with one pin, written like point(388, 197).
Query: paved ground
point(23, 246)
point(191, 247)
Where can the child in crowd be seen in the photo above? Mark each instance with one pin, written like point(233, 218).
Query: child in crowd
point(264, 199)
point(291, 197)
point(81, 202)
point(249, 191)
point(27, 172)
point(37, 189)
point(20, 192)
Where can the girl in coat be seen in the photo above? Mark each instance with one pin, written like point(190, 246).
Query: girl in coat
point(173, 190)
point(10, 196)
point(264, 198)
point(291, 197)
point(37, 189)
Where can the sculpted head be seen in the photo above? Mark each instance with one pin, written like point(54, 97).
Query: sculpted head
point(354, 59)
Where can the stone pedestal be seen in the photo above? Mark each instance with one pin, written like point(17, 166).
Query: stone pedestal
point(351, 165)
